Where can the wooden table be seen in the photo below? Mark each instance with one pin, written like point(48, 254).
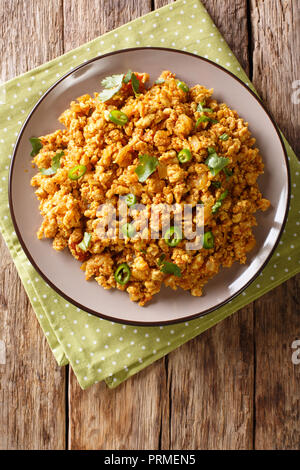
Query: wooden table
point(233, 387)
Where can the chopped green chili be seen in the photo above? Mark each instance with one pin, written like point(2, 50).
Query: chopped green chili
point(76, 172)
point(130, 199)
point(208, 240)
point(122, 274)
point(224, 136)
point(183, 86)
point(117, 117)
point(128, 230)
point(85, 243)
point(184, 156)
point(173, 236)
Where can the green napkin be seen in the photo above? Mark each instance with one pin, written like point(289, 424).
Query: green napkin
point(99, 349)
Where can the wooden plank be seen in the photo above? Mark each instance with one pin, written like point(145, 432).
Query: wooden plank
point(84, 20)
point(276, 61)
point(211, 388)
point(130, 416)
point(211, 400)
point(277, 384)
point(231, 19)
point(32, 389)
point(276, 40)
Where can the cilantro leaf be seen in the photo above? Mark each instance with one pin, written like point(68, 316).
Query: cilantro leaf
point(135, 84)
point(36, 145)
point(128, 76)
point(85, 243)
point(55, 165)
point(146, 167)
point(170, 268)
point(216, 184)
point(113, 81)
point(161, 259)
point(112, 85)
point(214, 162)
point(228, 173)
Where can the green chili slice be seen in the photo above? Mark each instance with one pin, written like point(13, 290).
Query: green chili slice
point(184, 156)
point(208, 240)
point(183, 86)
point(77, 172)
point(122, 274)
point(130, 199)
point(173, 236)
point(85, 243)
point(224, 136)
point(117, 117)
point(128, 230)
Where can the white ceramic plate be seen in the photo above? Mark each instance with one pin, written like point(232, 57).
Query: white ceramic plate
point(62, 271)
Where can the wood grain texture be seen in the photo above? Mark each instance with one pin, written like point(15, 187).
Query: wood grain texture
point(210, 381)
point(276, 64)
point(128, 417)
point(80, 25)
point(233, 387)
point(277, 400)
point(231, 19)
point(32, 386)
point(276, 61)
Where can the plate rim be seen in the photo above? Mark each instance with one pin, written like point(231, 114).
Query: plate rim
point(108, 317)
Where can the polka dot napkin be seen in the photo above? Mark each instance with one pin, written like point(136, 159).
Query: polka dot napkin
point(99, 349)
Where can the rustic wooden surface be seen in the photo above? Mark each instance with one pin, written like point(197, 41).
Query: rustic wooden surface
point(240, 389)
